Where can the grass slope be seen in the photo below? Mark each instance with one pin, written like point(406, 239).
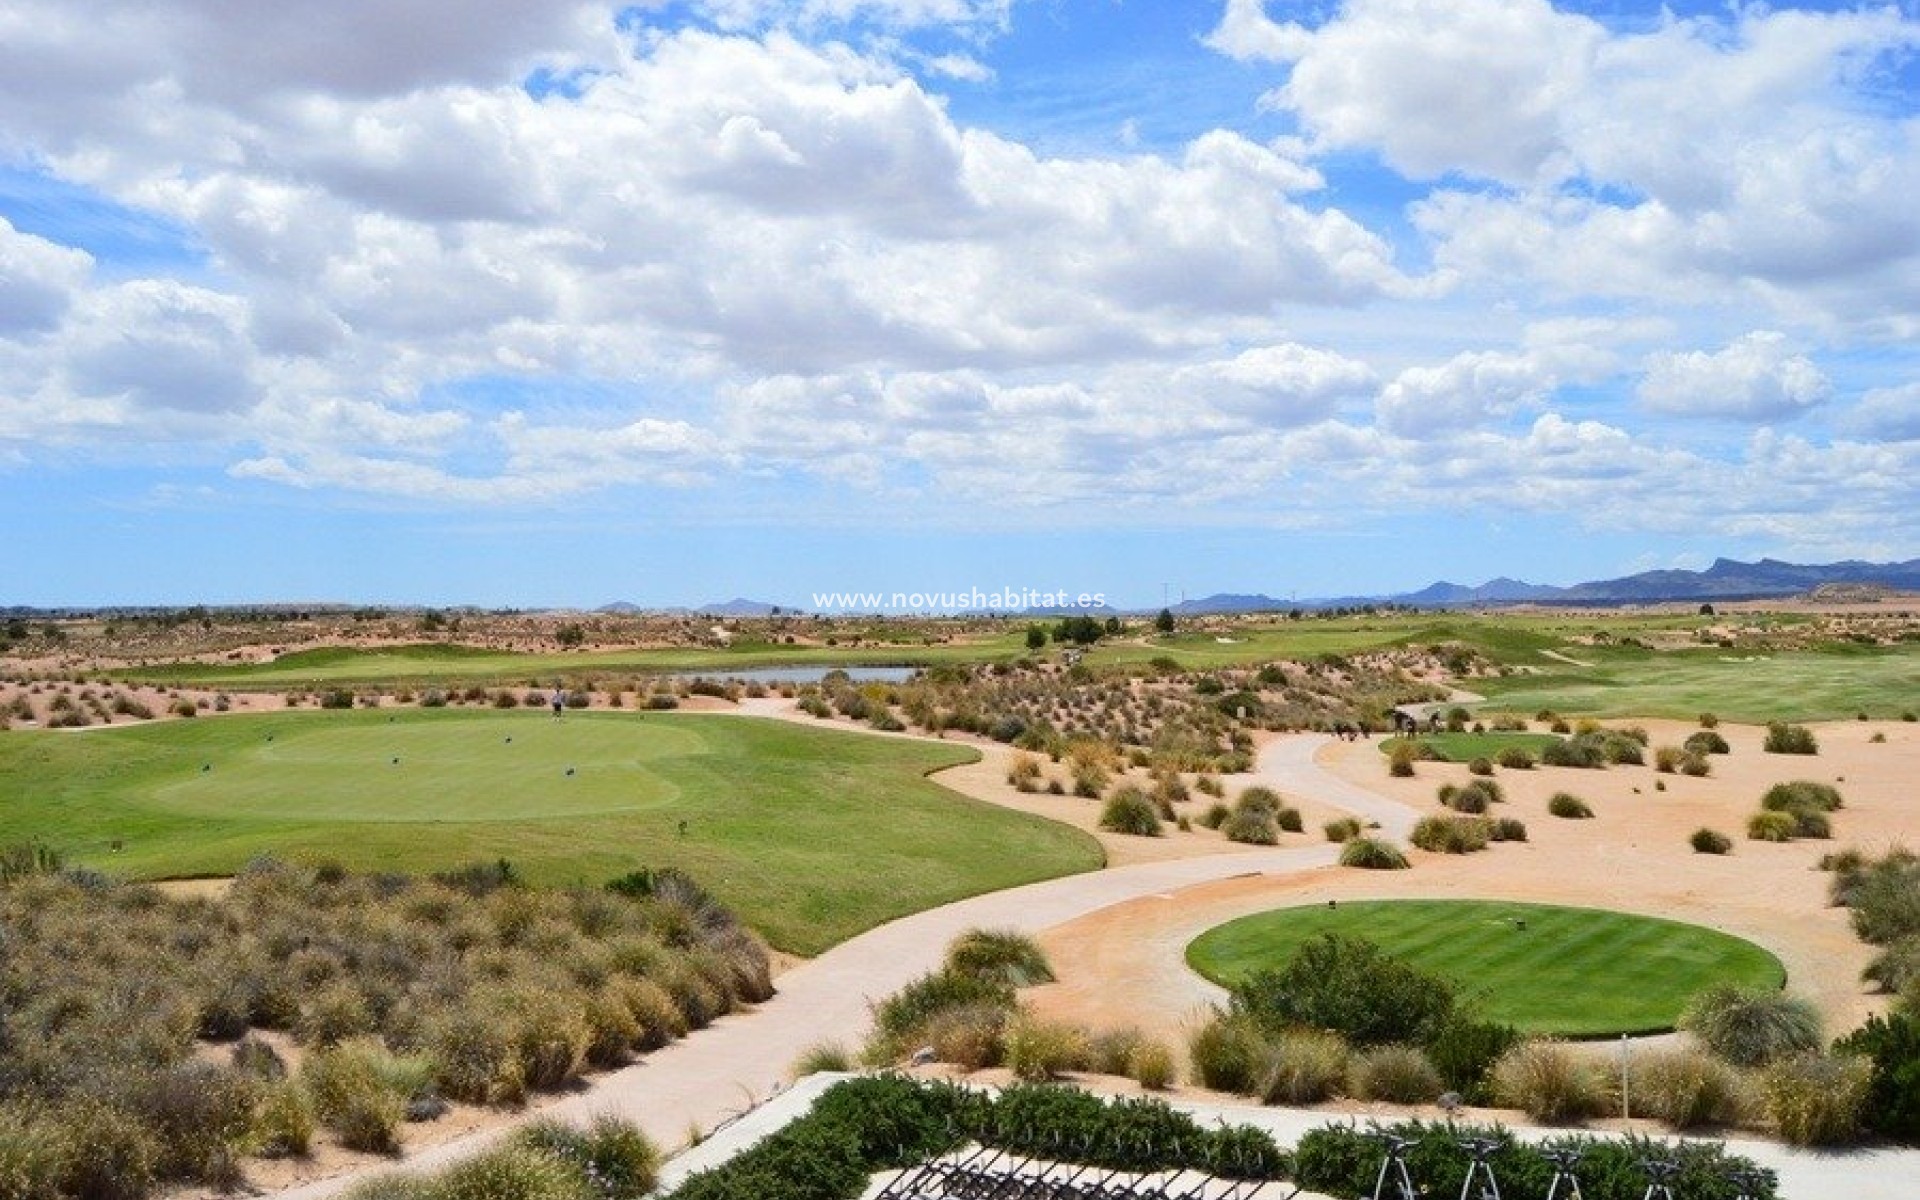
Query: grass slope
point(1575, 972)
point(1465, 747)
point(810, 835)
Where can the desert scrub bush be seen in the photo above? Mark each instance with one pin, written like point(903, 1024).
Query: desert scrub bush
point(353, 1099)
point(822, 1056)
point(1706, 741)
point(902, 1017)
point(1039, 1049)
point(1025, 773)
point(1303, 1066)
point(1710, 841)
point(1130, 811)
point(1516, 758)
point(1803, 795)
point(1372, 854)
point(1215, 816)
point(1341, 829)
point(1400, 762)
point(1109, 1052)
point(1396, 1074)
point(1772, 827)
point(1152, 1066)
point(1751, 1027)
point(1451, 835)
point(1550, 1081)
point(1568, 805)
point(1226, 1052)
point(1480, 766)
point(1003, 956)
point(1695, 764)
point(1507, 829)
point(511, 1172)
point(1686, 1088)
point(1666, 759)
point(282, 1124)
point(1783, 738)
point(1253, 827)
point(613, 1157)
point(1818, 1099)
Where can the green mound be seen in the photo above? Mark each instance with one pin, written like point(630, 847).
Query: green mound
point(810, 835)
point(1572, 972)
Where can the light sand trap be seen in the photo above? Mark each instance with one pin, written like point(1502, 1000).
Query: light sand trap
point(1125, 965)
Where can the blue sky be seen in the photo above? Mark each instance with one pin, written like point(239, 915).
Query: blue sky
point(557, 304)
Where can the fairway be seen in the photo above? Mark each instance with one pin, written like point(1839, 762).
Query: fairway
point(1572, 972)
point(811, 835)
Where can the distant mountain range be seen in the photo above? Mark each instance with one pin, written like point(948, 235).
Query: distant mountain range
point(1725, 580)
point(736, 607)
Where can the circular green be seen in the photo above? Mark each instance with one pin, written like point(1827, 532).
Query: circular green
point(1546, 969)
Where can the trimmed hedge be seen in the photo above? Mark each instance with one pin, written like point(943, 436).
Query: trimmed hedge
point(1343, 1161)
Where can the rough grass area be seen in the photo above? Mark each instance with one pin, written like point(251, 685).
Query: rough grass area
point(810, 835)
point(427, 663)
point(1572, 972)
point(1465, 747)
point(1808, 685)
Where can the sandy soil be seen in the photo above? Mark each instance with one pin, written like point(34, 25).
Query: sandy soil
point(1125, 965)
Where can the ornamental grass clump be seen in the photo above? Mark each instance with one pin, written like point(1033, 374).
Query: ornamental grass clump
point(1751, 1027)
point(1372, 854)
point(1550, 1081)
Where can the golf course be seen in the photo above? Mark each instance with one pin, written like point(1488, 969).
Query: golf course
point(1544, 969)
point(810, 835)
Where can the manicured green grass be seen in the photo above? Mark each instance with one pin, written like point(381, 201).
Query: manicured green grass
point(1465, 747)
point(810, 835)
point(1574, 972)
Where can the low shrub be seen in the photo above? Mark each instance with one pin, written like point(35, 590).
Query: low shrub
point(1772, 827)
point(1783, 738)
point(970, 1036)
point(1666, 759)
point(1152, 1066)
point(282, 1122)
point(1400, 762)
point(1480, 766)
point(1342, 829)
point(1706, 742)
point(1463, 1050)
point(1215, 816)
point(1508, 829)
point(1566, 804)
point(1344, 1159)
point(1396, 1074)
point(1751, 1027)
point(1451, 835)
point(1817, 1099)
point(1802, 795)
point(1516, 758)
point(1038, 1049)
point(1685, 1088)
point(1003, 956)
point(1348, 986)
point(1130, 811)
point(1891, 1047)
point(1372, 854)
point(351, 1098)
point(1550, 1081)
point(515, 1171)
point(1227, 1052)
point(1695, 765)
point(1303, 1066)
point(1253, 827)
point(612, 1156)
point(1710, 841)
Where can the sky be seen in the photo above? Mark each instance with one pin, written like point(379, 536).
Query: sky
point(534, 303)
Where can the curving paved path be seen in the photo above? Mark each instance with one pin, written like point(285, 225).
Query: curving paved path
point(720, 1072)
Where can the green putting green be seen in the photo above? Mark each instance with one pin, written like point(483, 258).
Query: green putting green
point(812, 835)
point(1574, 972)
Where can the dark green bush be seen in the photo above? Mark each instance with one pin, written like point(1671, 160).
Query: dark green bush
point(1346, 985)
point(1706, 742)
point(1803, 795)
point(1710, 841)
point(1342, 1160)
point(1464, 1050)
point(1892, 1045)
